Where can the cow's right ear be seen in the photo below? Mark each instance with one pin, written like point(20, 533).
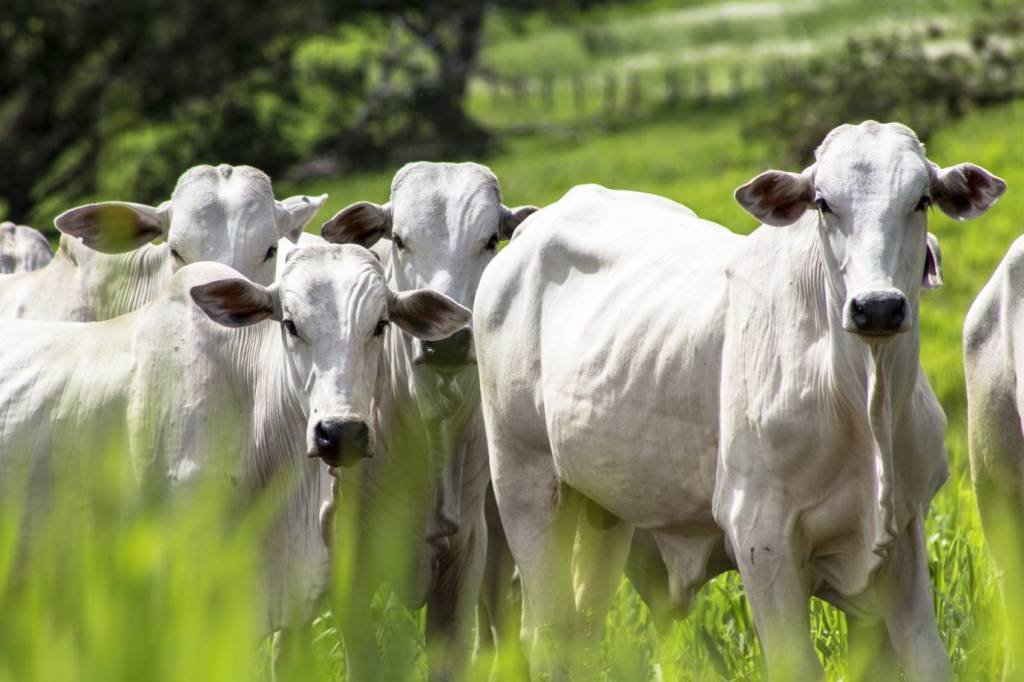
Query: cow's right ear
point(361, 223)
point(115, 226)
point(427, 314)
point(777, 197)
point(236, 302)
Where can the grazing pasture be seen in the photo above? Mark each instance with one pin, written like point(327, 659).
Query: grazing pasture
point(134, 591)
point(131, 590)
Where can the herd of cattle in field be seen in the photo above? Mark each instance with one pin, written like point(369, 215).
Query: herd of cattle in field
point(636, 390)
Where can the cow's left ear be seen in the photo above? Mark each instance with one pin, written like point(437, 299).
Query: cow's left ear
point(115, 226)
point(294, 213)
point(511, 217)
point(932, 277)
point(236, 302)
point(777, 197)
point(362, 223)
point(965, 191)
point(427, 314)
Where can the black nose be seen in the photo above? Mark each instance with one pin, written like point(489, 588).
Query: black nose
point(341, 443)
point(879, 313)
point(448, 353)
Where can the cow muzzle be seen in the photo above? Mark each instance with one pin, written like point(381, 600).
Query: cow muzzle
point(341, 442)
point(877, 313)
point(448, 355)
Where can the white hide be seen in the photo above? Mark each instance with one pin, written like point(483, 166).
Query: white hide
point(254, 395)
point(226, 214)
point(707, 387)
point(22, 249)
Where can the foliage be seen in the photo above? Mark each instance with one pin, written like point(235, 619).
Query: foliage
point(893, 78)
point(74, 74)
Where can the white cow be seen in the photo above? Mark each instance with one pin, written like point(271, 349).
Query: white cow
point(22, 248)
point(297, 380)
point(225, 214)
point(754, 402)
point(417, 510)
point(993, 353)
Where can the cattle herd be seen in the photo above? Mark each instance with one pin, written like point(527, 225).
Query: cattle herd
point(636, 390)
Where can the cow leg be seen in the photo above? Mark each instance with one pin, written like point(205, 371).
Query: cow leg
point(452, 600)
point(539, 515)
point(1002, 513)
point(291, 654)
point(777, 584)
point(599, 558)
point(499, 613)
point(905, 599)
point(352, 609)
point(997, 470)
point(871, 656)
point(647, 573)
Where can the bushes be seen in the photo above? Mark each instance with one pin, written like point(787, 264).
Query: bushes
point(897, 77)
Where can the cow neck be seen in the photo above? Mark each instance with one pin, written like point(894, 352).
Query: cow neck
point(280, 410)
point(130, 280)
point(874, 379)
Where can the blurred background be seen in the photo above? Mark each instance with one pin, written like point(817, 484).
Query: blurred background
point(114, 99)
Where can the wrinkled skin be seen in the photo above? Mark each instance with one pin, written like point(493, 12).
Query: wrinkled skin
point(422, 496)
point(787, 431)
point(106, 266)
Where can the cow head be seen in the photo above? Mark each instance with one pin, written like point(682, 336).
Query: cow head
point(226, 214)
point(871, 187)
point(444, 221)
point(334, 309)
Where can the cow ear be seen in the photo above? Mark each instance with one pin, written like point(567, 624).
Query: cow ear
point(777, 197)
point(427, 314)
point(932, 277)
point(115, 226)
point(361, 223)
point(236, 302)
point(965, 191)
point(294, 213)
point(511, 217)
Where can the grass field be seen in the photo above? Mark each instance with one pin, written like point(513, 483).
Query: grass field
point(128, 592)
point(131, 592)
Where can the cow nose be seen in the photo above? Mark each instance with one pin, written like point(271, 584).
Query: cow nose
point(451, 352)
point(341, 443)
point(878, 313)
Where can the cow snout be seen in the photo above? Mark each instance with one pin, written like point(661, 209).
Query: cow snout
point(878, 313)
point(449, 353)
point(340, 442)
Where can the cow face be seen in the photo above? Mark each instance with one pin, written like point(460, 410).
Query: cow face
point(871, 187)
point(445, 221)
point(334, 310)
point(226, 214)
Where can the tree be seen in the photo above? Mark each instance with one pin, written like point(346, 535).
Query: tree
point(73, 71)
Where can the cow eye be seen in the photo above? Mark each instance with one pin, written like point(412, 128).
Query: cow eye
point(271, 252)
point(822, 205)
point(924, 203)
point(177, 256)
point(381, 326)
point(290, 326)
point(397, 241)
point(492, 243)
